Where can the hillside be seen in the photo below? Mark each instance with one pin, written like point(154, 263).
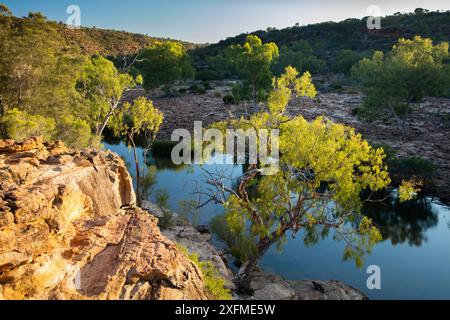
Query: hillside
point(89, 41)
point(109, 42)
point(328, 38)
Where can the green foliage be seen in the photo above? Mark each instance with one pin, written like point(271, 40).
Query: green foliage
point(207, 75)
point(75, 132)
point(253, 61)
point(20, 125)
point(197, 88)
point(169, 91)
point(412, 69)
point(214, 282)
point(411, 166)
point(162, 201)
point(345, 60)
point(408, 190)
point(4, 10)
point(329, 39)
point(140, 118)
point(229, 99)
point(300, 56)
point(102, 86)
point(320, 163)
point(240, 243)
point(163, 63)
point(44, 77)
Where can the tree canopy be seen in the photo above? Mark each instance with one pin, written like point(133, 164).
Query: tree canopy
point(253, 60)
point(323, 169)
point(162, 63)
point(411, 70)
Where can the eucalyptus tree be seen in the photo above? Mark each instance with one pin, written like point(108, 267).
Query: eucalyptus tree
point(139, 118)
point(253, 61)
point(164, 62)
point(323, 169)
point(103, 87)
point(411, 70)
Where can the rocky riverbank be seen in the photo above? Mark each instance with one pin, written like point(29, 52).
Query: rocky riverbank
point(69, 229)
point(265, 286)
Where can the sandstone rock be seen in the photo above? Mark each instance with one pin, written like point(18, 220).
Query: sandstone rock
point(185, 234)
point(69, 229)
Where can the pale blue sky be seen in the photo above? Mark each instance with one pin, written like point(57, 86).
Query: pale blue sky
point(211, 20)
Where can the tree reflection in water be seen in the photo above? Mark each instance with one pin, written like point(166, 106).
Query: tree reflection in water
point(403, 222)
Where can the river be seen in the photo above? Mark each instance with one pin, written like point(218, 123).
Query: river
point(414, 256)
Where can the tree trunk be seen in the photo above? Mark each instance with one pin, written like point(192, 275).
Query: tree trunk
point(400, 123)
point(255, 103)
point(2, 110)
point(243, 278)
point(138, 179)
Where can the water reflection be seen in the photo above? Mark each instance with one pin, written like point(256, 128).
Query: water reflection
point(403, 222)
point(414, 255)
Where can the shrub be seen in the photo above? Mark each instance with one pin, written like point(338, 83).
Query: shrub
point(19, 125)
point(195, 88)
point(404, 168)
point(229, 99)
point(206, 85)
point(162, 201)
point(357, 111)
point(76, 133)
point(169, 92)
point(412, 166)
point(207, 75)
point(214, 282)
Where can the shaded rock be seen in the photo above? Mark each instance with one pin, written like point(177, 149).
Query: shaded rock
point(267, 286)
point(184, 233)
point(202, 229)
point(69, 229)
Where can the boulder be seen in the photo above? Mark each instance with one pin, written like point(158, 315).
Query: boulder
point(69, 229)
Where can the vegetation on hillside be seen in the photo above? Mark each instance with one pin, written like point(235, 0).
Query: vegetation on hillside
point(329, 39)
point(411, 70)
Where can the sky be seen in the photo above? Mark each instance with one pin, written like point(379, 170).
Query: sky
point(203, 21)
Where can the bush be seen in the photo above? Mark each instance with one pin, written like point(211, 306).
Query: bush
point(206, 85)
point(214, 282)
point(195, 88)
point(19, 125)
point(169, 92)
point(406, 168)
point(76, 133)
point(229, 99)
point(357, 111)
point(162, 201)
point(412, 166)
point(207, 75)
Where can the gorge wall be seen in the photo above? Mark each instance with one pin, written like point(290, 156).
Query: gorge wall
point(69, 229)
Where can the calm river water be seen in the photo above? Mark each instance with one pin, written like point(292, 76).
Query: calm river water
point(414, 256)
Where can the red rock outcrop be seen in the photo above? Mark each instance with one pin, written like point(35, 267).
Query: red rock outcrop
point(69, 229)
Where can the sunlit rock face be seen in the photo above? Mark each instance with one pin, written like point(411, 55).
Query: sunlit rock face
point(69, 229)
